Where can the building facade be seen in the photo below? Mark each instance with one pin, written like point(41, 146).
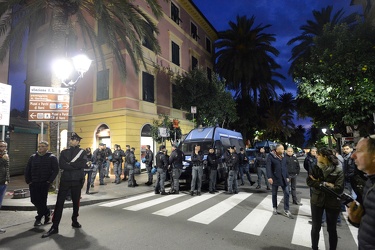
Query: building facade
point(108, 109)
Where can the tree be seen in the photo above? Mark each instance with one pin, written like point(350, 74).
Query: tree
point(340, 75)
point(214, 104)
point(301, 52)
point(172, 128)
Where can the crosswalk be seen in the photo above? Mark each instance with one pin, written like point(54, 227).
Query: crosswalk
point(254, 223)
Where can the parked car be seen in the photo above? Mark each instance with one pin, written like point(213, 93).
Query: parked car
point(251, 157)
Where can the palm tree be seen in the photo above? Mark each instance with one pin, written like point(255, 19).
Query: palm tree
point(126, 25)
point(244, 58)
point(279, 125)
point(313, 28)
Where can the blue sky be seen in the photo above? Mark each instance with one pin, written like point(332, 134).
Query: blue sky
point(284, 16)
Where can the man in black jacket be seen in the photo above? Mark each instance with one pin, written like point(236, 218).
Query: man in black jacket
point(149, 157)
point(72, 162)
point(310, 160)
point(41, 170)
point(212, 163)
point(117, 159)
point(162, 166)
point(175, 162)
point(293, 170)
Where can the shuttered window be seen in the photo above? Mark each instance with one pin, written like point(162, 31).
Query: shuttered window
point(175, 54)
point(148, 87)
point(102, 85)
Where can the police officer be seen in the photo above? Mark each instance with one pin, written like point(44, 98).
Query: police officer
point(72, 162)
point(99, 159)
point(117, 162)
point(197, 170)
point(130, 161)
point(212, 163)
point(149, 160)
point(126, 172)
point(175, 162)
point(232, 164)
point(161, 173)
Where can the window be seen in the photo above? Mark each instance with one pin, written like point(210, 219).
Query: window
point(209, 74)
point(102, 85)
point(194, 31)
point(41, 59)
point(146, 40)
point(148, 87)
point(175, 13)
point(208, 45)
point(194, 62)
point(175, 54)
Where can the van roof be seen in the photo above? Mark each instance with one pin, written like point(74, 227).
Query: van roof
point(208, 133)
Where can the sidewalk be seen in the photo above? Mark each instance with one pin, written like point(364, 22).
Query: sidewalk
point(97, 194)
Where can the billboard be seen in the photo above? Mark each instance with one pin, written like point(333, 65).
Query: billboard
point(5, 98)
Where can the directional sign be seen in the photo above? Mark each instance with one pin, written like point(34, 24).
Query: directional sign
point(5, 96)
point(48, 104)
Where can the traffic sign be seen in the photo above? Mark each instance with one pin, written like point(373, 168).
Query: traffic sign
point(5, 96)
point(48, 104)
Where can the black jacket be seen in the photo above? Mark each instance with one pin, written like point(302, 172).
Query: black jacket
point(277, 170)
point(161, 160)
point(99, 156)
point(292, 164)
point(197, 159)
point(242, 159)
point(149, 158)
point(72, 171)
point(261, 159)
point(309, 163)
point(130, 158)
point(42, 168)
point(366, 239)
point(232, 162)
point(117, 155)
point(176, 158)
point(212, 161)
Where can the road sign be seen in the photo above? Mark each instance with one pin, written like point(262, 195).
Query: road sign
point(5, 97)
point(48, 104)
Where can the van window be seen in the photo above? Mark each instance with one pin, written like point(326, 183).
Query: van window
point(188, 147)
point(219, 147)
point(226, 142)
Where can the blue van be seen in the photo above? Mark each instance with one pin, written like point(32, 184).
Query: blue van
point(207, 137)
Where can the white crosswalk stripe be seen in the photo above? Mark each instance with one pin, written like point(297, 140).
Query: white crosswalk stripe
point(353, 229)
point(254, 223)
point(168, 211)
point(256, 220)
point(151, 203)
point(211, 214)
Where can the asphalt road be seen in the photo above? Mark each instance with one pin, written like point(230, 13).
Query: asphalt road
point(149, 221)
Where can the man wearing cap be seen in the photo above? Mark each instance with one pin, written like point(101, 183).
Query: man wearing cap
point(175, 160)
point(149, 160)
point(212, 163)
point(130, 161)
point(99, 159)
point(161, 173)
point(72, 162)
point(197, 170)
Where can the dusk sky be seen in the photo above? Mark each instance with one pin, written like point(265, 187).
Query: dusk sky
point(285, 16)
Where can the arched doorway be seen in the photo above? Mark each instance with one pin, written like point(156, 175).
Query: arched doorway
point(103, 135)
point(146, 139)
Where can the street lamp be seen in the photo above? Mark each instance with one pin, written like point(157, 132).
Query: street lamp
point(328, 133)
point(63, 69)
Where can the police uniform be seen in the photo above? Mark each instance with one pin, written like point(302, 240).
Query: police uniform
point(72, 162)
point(175, 161)
point(232, 163)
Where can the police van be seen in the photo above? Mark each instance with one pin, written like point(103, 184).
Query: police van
point(207, 137)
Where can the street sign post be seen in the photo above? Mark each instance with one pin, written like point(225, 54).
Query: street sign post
point(48, 104)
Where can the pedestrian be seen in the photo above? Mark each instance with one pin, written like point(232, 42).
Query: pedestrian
point(244, 167)
point(363, 215)
point(126, 171)
point(293, 167)
point(108, 159)
point(326, 173)
point(130, 161)
point(261, 163)
point(310, 160)
point(117, 159)
point(4, 173)
point(72, 162)
point(197, 170)
point(161, 172)
point(212, 163)
point(149, 158)
point(99, 158)
point(89, 169)
point(232, 164)
point(277, 174)
point(41, 170)
point(175, 162)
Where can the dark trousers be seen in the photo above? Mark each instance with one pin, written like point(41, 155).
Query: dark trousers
point(331, 217)
point(88, 180)
point(292, 187)
point(275, 188)
point(38, 196)
point(149, 174)
point(75, 188)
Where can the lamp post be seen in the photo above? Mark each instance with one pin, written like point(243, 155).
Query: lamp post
point(63, 68)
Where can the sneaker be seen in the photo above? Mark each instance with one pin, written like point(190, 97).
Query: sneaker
point(324, 224)
point(339, 224)
point(258, 187)
point(288, 214)
point(252, 183)
point(37, 223)
point(2, 231)
point(192, 193)
point(275, 211)
point(199, 193)
point(47, 219)
point(297, 203)
point(92, 185)
point(268, 188)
